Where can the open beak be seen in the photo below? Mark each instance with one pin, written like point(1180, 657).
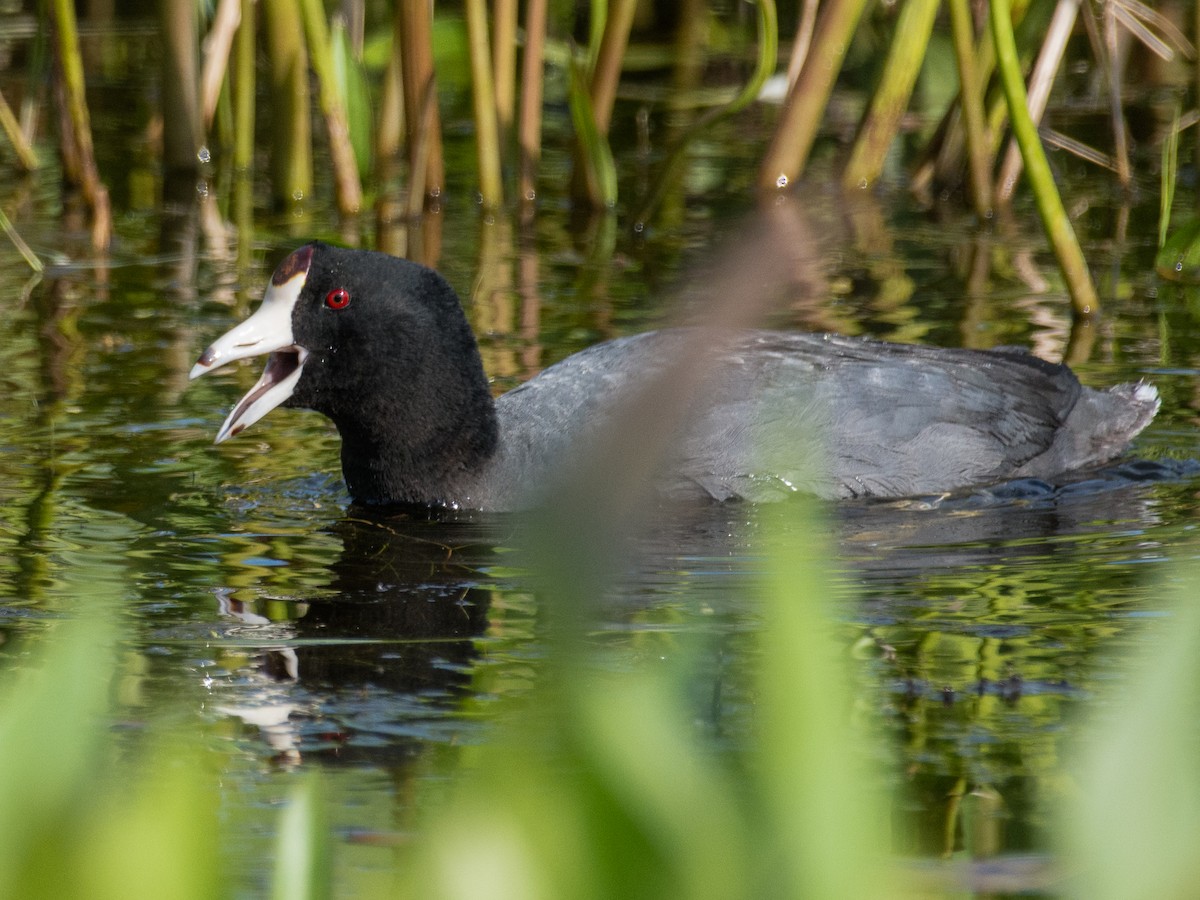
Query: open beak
point(268, 331)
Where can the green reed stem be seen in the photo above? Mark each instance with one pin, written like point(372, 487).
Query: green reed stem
point(291, 126)
point(26, 155)
point(892, 95)
point(79, 155)
point(979, 158)
point(1170, 170)
point(423, 122)
point(347, 184)
point(483, 93)
point(529, 137)
point(504, 58)
point(1063, 240)
point(596, 174)
point(17, 241)
point(389, 134)
point(796, 132)
point(593, 183)
point(243, 90)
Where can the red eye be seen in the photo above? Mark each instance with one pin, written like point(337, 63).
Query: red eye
point(338, 298)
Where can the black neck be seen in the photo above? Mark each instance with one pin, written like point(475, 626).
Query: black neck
point(419, 458)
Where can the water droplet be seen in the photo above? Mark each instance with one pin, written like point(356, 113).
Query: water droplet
point(781, 181)
point(204, 155)
point(297, 196)
point(639, 227)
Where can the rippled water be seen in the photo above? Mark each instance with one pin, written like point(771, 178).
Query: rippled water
point(262, 610)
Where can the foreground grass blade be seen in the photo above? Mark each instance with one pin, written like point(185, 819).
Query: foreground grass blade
point(303, 863)
point(1134, 825)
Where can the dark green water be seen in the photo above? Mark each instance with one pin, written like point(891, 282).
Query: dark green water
point(268, 620)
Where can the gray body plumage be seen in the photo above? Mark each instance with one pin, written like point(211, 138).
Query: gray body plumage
point(832, 416)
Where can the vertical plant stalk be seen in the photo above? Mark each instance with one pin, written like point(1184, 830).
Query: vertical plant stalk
point(243, 91)
point(892, 95)
point(1170, 172)
point(592, 182)
point(1113, 70)
point(26, 155)
point(595, 176)
point(607, 73)
point(504, 57)
point(1062, 23)
point(1063, 241)
point(529, 137)
point(979, 158)
point(788, 151)
point(802, 41)
point(23, 248)
point(415, 30)
point(79, 156)
point(426, 116)
point(347, 184)
point(182, 133)
point(483, 93)
point(389, 136)
point(291, 126)
point(217, 46)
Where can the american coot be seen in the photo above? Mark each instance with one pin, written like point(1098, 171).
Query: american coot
point(381, 346)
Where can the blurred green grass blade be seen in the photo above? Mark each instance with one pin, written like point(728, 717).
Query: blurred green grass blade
point(351, 85)
point(1133, 826)
point(52, 742)
point(644, 751)
point(826, 817)
point(303, 849)
point(160, 839)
